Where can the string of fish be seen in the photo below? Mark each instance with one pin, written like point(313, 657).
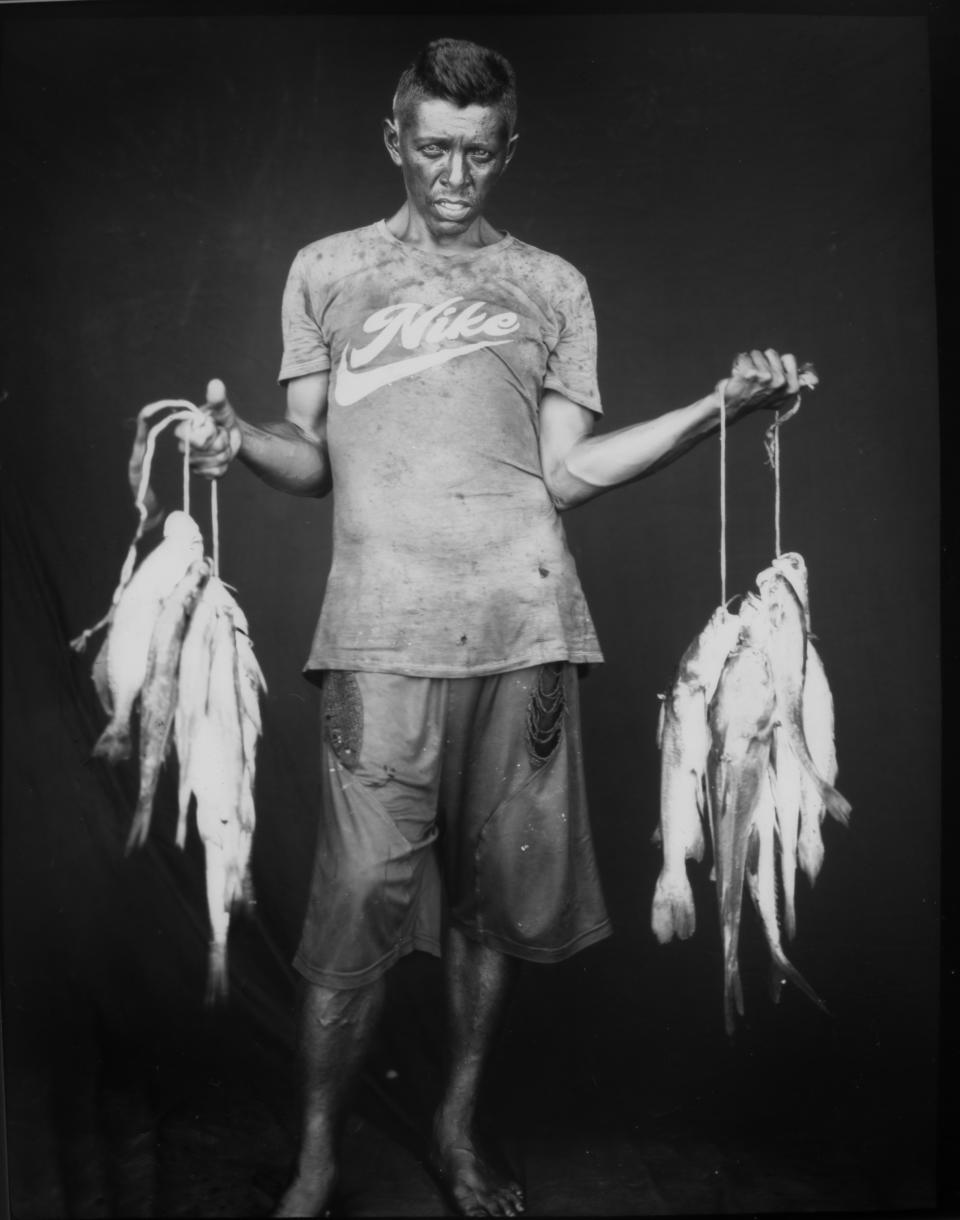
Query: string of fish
point(178, 649)
point(746, 741)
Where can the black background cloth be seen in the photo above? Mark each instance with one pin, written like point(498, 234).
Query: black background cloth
point(723, 181)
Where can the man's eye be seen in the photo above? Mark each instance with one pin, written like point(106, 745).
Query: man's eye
point(481, 154)
point(431, 150)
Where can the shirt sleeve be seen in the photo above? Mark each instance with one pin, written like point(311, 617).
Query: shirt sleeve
point(572, 362)
point(305, 348)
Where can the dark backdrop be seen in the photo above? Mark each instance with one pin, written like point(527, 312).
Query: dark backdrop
point(723, 182)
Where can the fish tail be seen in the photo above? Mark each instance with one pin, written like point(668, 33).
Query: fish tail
point(139, 829)
point(248, 896)
point(183, 806)
point(810, 855)
point(217, 982)
point(837, 806)
point(789, 905)
point(732, 997)
point(113, 744)
point(788, 971)
point(673, 912)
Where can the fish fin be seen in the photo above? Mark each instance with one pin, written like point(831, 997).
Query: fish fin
point(101, 682)
point(673, 912)
point(113, 744)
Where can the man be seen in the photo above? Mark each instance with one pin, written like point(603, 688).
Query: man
point(441, 379)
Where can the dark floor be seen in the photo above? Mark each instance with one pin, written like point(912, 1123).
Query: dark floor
point(201, 1120)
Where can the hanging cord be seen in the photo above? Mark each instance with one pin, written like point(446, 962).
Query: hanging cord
point(771, 440)
point(186, 472)
point(722, 391)
point(776, 488)
point(215, 526)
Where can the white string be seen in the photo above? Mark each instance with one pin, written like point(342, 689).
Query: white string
point(215, 526)
point(722, 391)
point(186, 472)
point(776, 485)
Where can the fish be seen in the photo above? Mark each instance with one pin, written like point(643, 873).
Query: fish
point(158, 698)
point(218, 765)
point(818, 728)
point(684, 743)
point(193, 688)
point(131, 627)
point(777, 624)
point(741, 718)
point(762, 884)
point(787, 777)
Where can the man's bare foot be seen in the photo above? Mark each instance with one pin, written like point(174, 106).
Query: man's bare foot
point(309, 1192)
point(474, 1186)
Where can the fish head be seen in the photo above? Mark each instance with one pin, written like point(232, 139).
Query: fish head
point(781, 605)
point(716, 642)
point(181, 527)
point(791, 565)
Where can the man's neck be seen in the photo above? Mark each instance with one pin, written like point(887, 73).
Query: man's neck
point(407, 226)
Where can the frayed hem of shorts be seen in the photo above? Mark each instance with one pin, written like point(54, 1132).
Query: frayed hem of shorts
point(341, 981)
point(532, 953)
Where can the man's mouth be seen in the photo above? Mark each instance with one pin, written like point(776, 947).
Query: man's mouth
point(453, 207)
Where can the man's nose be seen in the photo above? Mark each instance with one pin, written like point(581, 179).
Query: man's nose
point(455, 169)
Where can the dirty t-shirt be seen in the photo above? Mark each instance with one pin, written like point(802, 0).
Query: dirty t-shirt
point(449, 557)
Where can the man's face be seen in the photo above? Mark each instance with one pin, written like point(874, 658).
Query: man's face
point(451, 158)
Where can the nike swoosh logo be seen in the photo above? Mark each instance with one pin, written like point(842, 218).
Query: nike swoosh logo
point(352, 385)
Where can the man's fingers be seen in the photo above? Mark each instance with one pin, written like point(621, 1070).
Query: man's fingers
point(744, 368)
point(216, 392)
point(775, 363)
point(210, 470)
point(761, 364)
point(790, 372)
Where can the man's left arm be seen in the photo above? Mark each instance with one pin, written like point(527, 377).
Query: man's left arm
point(578, 466)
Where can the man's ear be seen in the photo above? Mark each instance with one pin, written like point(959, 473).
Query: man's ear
point(511, 149)
point(391, 138)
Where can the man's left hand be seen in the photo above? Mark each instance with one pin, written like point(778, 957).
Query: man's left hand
point(765, 379)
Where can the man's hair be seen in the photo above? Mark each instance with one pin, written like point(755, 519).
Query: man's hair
point(462, 72)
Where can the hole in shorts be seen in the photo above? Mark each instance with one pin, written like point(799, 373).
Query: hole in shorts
point(343, 715)
point(545, 713)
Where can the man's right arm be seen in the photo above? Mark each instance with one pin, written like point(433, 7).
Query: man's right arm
point(290, 454)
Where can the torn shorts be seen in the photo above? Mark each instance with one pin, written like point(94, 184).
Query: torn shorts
point(457, 799)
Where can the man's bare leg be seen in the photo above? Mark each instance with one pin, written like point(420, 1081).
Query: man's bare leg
point(478, 982)
point(335, 1032)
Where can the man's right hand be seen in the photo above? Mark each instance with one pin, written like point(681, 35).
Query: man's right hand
point(214, 436)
